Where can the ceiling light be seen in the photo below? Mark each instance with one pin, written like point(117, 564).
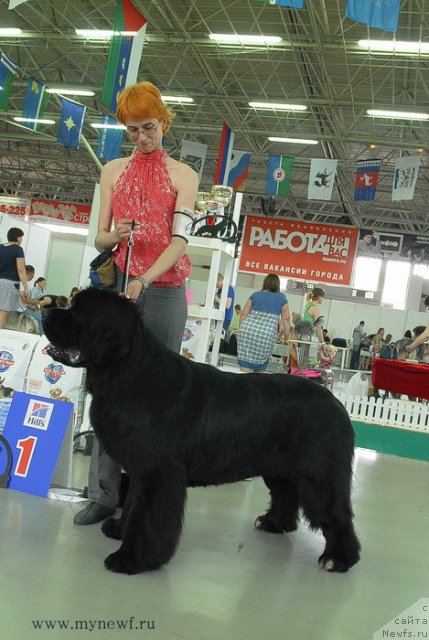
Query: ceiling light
point(394, 46)
point(404, 115)
point(71, 92)
point(280, 106)
point(103, 34)
point(373, 146)
point(62, 228)
point(100, 125)
point(293, 140)
point(231, 38)
point(10, 31)
point(178, 99)
point(419, 149)
point(38, 120)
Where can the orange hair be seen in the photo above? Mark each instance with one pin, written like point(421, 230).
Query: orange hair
point(143, 100)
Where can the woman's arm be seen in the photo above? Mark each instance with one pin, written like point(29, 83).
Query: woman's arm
point(246, 310)
point(314, 312)
point(419, 340)
point(20, 267)
point(107, 238)
point(285, 316)
point(186, 185)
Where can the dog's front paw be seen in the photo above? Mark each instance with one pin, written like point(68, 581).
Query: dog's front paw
point(336, 565)
point(120, 562)
point(265, 523)
point(112, 528)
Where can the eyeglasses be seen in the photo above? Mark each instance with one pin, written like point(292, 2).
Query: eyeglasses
point(148, 129)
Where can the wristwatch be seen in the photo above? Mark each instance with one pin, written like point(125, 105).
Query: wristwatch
point(144, 283)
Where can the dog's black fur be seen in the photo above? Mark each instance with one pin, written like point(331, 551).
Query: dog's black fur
point(173, 423)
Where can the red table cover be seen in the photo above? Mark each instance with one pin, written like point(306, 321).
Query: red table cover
point(409, 378)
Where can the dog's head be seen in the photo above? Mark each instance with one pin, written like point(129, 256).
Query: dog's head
point(95, 331)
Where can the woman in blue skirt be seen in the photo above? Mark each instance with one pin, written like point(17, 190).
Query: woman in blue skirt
point(258, 325)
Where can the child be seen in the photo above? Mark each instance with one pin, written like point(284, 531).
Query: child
point(326, 356)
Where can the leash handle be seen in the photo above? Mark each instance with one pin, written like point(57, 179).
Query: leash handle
point(127, 258)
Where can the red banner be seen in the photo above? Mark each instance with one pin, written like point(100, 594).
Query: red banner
point(62, 211)
point(299, 250)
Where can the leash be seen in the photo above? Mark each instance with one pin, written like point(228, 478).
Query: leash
point(127, 258)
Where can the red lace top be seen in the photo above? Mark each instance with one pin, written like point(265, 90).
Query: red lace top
point(144, 191)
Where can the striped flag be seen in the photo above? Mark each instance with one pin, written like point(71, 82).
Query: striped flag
point(224, 155)
point(239, 170)
point(8, 71)
point(293, 4)
point(34, 102)
point(279, 175)
point(367, 173)
point(380, 14)
point(405, 177)
point(110, 140)
point(125, 53)
point(321, 181)
point(72, 116)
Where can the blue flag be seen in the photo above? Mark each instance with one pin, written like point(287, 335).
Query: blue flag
point(72, 116)
point(366, 180)
point(110, 141)
point(380, 14)
point(292, 4)
point(34, 103)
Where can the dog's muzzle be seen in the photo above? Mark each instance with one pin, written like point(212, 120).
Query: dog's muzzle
point(71, 356)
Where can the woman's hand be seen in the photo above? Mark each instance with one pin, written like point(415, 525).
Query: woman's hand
point(133, 290)
point(123, 230)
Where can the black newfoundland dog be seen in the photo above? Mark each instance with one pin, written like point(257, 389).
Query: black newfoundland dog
point(173, 423)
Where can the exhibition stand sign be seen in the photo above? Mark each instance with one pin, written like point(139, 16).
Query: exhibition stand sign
point(298, 249)
point(16, 350)
point(35, 430)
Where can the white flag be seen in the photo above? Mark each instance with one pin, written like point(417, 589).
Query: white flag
point(16, 3)
point(322, 176)
point(405, 177)
point(194, 155)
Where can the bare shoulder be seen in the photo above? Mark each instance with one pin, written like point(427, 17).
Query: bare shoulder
point(114, 168)
point(180, 172)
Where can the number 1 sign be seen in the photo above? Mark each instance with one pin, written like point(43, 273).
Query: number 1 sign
point(35, 428)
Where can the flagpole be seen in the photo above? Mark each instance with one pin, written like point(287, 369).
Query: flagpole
point(91, 152)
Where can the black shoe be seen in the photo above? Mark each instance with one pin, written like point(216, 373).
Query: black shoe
point(94, 512)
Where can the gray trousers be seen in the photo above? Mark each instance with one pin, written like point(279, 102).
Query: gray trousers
point(164, 311)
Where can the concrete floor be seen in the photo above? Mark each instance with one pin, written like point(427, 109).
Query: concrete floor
point(227, 580)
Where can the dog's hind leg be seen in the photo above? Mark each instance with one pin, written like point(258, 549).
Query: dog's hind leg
point(283, 512)
point(152, 524)
point(327, 507)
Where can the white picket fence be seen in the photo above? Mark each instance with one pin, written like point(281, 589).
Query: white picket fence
point(403, 414)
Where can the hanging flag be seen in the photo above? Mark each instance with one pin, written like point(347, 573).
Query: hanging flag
point(16, 3)
point(71, 123)
point(34, 102)
point(224, 155)
point(125, 53)
point(380, 14)
point(293, 4)
point(405, 177)
point(194, 155)
point(322, 176)
point(238, 170)
point(367, 173)
point(110, 140)
point(279, 175)
point(8, 71)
